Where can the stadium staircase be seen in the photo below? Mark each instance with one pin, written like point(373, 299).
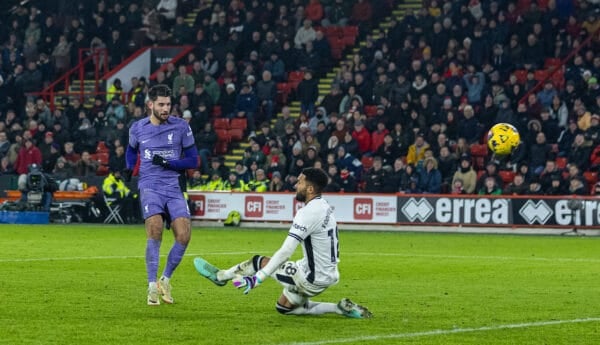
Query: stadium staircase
point(341, 39)
point(82, 81)
point(232, 146)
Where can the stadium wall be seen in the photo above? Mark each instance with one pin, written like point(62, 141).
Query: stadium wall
point(406, 209)
point(144, 63)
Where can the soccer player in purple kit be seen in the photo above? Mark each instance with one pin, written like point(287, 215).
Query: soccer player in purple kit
point(166, 147)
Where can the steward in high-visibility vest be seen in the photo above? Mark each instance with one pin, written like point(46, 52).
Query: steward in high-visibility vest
point(260, 183)
point(114, 90)
point(215, 183)
point(115, 189)
point(233, 184)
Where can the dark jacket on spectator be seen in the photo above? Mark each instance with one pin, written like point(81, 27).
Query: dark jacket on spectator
point(308, 91)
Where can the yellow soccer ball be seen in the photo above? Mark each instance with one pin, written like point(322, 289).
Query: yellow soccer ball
point(503, 138)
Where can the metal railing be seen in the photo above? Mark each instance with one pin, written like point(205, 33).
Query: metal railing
point(561, 66)
point(97, 56)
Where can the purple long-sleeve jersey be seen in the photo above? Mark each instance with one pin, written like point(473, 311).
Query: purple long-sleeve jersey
point(168, 140)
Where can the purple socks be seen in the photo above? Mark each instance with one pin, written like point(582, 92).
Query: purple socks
point(152, 255)
point(174, 258)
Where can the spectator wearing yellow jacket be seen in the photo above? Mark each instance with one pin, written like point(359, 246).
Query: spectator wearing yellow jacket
point(114, 90)
point(416, 151)
point(196, 182)
point(260, 182)
point(234, 184)
point(115, 189)
point(215, 183)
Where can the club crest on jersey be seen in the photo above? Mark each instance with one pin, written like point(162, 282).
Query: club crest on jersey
point(170, 138)
point(147, 154)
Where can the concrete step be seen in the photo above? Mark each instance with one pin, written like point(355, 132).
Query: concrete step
point(413, 6)
point(235, 157)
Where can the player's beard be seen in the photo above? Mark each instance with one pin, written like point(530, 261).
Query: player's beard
point(161, 117)
point(301, 196)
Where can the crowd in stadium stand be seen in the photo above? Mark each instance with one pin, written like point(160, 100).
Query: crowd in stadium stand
point(408, 112)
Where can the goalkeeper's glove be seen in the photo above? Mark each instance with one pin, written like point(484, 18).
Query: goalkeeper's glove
point(249, 283)
point(159, 160)
point(126, 174)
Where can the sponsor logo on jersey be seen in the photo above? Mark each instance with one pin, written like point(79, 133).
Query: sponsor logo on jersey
point(253, 206)
point(299, 227)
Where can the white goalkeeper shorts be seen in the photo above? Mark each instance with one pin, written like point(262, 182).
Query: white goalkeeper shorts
point(296, 288)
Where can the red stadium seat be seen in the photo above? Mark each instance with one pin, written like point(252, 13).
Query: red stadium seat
point(367, 162)
point(561, 162)
point(239, 123)
point(221, 123)
point(521, 75)
point(480, 173)
point(591, 177)
point(295, 76)
point(101, 147)
point(479, 150)
point(283, 92)
point(223, 135)
point(558, 79)
point(221, 147)
point(336, 43)
point(552, 62)
point(370, 110)
point(507, 176)
point(350, 30)
point(236, 134)
point(334, 31)
point(101, 157)
point(540, 74)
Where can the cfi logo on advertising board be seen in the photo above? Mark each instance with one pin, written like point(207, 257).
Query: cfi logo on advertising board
point(363, 208)
point(253, 206)
point(200, 205)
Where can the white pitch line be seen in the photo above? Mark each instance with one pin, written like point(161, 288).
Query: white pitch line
point(107, 257)
point(462, 257)
point(445, 332)
point(477, 257)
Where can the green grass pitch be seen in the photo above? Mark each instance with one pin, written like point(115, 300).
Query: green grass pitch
point(86, 284)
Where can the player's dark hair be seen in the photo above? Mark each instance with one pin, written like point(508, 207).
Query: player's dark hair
point(317, 177)
point(160, 90)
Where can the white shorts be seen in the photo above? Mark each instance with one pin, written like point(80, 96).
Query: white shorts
point(295, 286)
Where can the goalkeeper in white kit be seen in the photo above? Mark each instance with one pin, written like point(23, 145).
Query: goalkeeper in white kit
point(315, 227)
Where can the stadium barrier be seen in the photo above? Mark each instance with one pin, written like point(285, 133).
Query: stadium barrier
point(16, 217)
point(414, 209)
